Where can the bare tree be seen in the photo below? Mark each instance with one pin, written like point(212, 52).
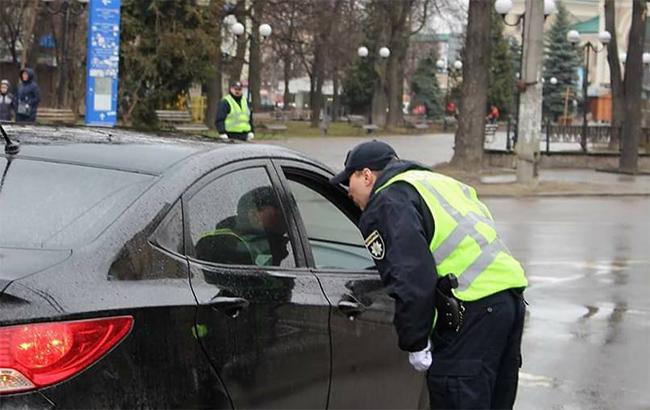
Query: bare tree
point(213, 86)
point(616, 81)
point(632, 89)
point(468, 149)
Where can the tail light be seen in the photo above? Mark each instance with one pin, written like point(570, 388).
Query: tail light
point(40, 354)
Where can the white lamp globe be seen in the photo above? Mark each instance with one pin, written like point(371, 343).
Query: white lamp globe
point(384, 52)
point(573, 36)
point(604, 37)
point(458, 64)
point(549, 7)
point(440, 64)
point(362, 52)
point(553, 80)
point(229, 20)
point(237, 29)
point(265, 30)
point(503, 6)
point(646, 58)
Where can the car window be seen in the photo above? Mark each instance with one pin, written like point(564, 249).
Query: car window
point(169, 234)
point(335, 240)
point(54, 205)
point(237, 219)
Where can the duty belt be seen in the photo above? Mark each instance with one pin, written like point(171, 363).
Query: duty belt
point(450, 310)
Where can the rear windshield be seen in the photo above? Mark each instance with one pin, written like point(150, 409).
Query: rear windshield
point(53, 205)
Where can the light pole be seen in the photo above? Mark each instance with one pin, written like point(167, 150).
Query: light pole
point(66, 7)
point(238, 29)
point(443, 66)
point(573, 36)
point(503, 7)
point(384, 53)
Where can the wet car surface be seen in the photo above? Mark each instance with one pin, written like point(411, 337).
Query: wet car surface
point(123, 283)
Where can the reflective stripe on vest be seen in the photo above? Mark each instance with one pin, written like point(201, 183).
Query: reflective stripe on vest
point(227, 232)
point(238, 119)
point(465, 241)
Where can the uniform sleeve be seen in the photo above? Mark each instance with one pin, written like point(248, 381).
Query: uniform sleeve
point(407, 267)
point(222, 113)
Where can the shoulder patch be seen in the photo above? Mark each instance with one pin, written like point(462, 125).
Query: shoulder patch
point(375, 245)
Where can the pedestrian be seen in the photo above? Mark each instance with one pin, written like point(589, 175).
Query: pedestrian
point(28, 97)
point(459, 307)
point(493, 115)
point(234, 118)
point(6, 102)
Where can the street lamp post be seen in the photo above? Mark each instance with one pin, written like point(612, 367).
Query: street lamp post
point(67, 7)
point(503, 7)
point(573, 36)
point(238, 29)
point(441, 65)
point(384, 53)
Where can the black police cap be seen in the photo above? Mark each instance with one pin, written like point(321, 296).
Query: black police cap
point(374, 155)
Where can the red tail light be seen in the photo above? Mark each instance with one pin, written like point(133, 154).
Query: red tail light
point(39, 354)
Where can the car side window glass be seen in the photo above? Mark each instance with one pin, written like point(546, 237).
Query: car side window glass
point(335, 240)
point(169, 234)
point(237, 219)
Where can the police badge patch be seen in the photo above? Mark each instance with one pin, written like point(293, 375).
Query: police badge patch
point(375, 245)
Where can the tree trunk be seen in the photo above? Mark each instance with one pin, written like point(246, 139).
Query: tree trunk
point(213, 86)
point(316, 95)
point(287, 77)
point(336, 99)
point(618, 98)
point(28, 55)
point(632, 89)
point(468, 150)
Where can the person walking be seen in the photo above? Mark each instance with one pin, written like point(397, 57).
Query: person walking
point(234, 118)
point(6, 102)
point(458, 291)
point(28, 97)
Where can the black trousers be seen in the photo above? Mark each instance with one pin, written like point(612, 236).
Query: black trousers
point(478, 366)
point(241, 136)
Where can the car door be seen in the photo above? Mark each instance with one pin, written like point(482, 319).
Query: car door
point(262, 318)
point(368, 369)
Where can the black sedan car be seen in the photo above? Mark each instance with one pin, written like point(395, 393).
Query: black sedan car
point(156, 272)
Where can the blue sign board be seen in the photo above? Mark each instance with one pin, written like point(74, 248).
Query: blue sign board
point(103, 61)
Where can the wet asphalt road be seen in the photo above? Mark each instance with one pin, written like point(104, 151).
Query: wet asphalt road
point(587, 338)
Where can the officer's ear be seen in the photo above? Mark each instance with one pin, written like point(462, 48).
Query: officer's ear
point(369, 176)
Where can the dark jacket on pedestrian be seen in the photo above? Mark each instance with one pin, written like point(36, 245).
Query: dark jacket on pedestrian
point(27, 98)
point(222, 112)
point(407, 227)
point(6, 106)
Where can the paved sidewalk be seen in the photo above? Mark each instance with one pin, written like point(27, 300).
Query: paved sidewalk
point(434, 149)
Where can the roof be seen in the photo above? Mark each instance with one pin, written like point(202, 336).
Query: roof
point(588, 26)
point(105, 148)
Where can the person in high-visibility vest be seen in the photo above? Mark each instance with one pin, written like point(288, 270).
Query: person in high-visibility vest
point(234, 117)
point(458, 291)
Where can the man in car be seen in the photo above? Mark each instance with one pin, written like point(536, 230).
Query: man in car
point(234, 117)
point(255, 236)
point(459, 307)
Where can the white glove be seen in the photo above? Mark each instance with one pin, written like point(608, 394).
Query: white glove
point(223, 136)
point(421, 361)
point(250, 136)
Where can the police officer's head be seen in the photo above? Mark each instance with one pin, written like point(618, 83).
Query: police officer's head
point(4, 86)
point(362, 166)
point(236, 89)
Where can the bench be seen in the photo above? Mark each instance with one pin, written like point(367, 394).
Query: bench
point(275, 128)
point(55, 115)
point(490, 131)
point(179, 121)
point(370, 128)
point(356, 119)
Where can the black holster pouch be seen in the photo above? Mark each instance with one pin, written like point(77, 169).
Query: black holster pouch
point(450, 310)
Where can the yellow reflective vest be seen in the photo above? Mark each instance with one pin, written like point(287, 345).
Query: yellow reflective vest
point(465, 241)
point(238, 119)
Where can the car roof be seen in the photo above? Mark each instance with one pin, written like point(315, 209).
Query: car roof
point(118, 149)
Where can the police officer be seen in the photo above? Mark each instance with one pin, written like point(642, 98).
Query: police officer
point(234, 118)
point(459, 309)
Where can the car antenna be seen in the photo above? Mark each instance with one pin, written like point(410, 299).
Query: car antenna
point(11, 148)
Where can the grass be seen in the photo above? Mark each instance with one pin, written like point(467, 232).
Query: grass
point(303, 129)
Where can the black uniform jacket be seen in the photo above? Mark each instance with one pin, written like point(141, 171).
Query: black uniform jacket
point(403, 221)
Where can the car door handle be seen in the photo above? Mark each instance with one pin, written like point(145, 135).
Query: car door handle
point(231, 306)
point(351, 309)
